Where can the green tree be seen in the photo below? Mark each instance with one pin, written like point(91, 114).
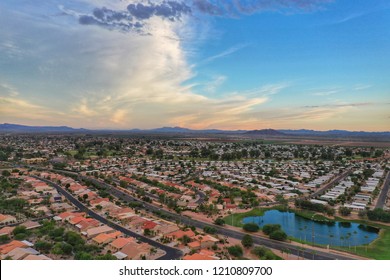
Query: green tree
point(344, 211)
point(219, 222)
point(235, 251)
point(278, 235)
point(5, 173)
point(269, 228)
point(19, 229)
point(247, 241)
point(251, 227)
point(43, 246)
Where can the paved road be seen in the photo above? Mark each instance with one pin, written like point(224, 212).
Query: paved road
point(295, 250)
point(171, 253)
point(331, 183)
point(385, 190)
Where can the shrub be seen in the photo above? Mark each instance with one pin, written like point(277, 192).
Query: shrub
point(235, 251)
point(251, 227)
point(278, 235)
point(269, 228)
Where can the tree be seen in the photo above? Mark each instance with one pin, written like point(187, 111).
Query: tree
point(251, 227)
point(219, 222)
point(278, 235)
point(235, 251)
point(4, 239)
point(210, 230)
point(19, 229)
point(6, 173)
point(247, 241)
point(185, 240)
point(269, 228)
point(264, 253)
point(43, 246)
point(106, 257)
point(83, 256)
point(344, 211)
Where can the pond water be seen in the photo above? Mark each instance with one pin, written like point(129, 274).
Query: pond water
point(326, 233)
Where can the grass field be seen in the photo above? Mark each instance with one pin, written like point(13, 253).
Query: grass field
point(378, 249)
point(236, 219)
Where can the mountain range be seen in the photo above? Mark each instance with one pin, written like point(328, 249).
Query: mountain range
point(17, 128)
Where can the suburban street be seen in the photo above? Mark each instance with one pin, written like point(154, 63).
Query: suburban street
point(385, 190)
point(332, 183)
point(171, 253)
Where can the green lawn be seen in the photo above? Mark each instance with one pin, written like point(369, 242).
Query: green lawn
point(236, 219)
point(378, 249)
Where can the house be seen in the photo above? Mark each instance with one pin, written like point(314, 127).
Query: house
point(92, 232)
point(58, 207)
point(31, 224)
point(20, 253)
point(98, 201)
point(66, 216)
point(206, 241)
point(135, 251)
point(180, 233)
point(7, 219)
point(6, 248)
point(149, 225)
point(6, 231)
point(165, 229)
point(198, 257)
point(105, 238)
point(86, 224)
point(119, 243)
point(37, 257)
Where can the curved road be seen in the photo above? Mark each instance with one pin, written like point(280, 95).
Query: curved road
point(171, 253)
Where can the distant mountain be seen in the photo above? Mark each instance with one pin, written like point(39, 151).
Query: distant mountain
point(17, 128)
point(7, 127)
point(335, 133)
point(175, 129)
point(265, 132)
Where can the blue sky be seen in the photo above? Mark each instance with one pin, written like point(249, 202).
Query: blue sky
point(315, 64)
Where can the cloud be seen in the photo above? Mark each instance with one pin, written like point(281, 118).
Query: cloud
point(236, 8)
point(224, 53)
point(167, 9)
point(8, 90)
point(217, 81)
point(325, 92)
point(133, 17)
point(340, 105)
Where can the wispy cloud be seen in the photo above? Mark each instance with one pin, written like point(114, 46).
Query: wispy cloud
point(225, 53)
point(325, 92)
point(362, 87)
point(8, 90)
point(212, 86)
point(340, 105)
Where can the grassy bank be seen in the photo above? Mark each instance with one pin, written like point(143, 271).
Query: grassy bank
point(236, 219)
point(379, 249)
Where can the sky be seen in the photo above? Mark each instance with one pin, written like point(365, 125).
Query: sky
point(200, 64)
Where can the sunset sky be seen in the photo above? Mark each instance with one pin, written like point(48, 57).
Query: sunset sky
point(282, 64)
